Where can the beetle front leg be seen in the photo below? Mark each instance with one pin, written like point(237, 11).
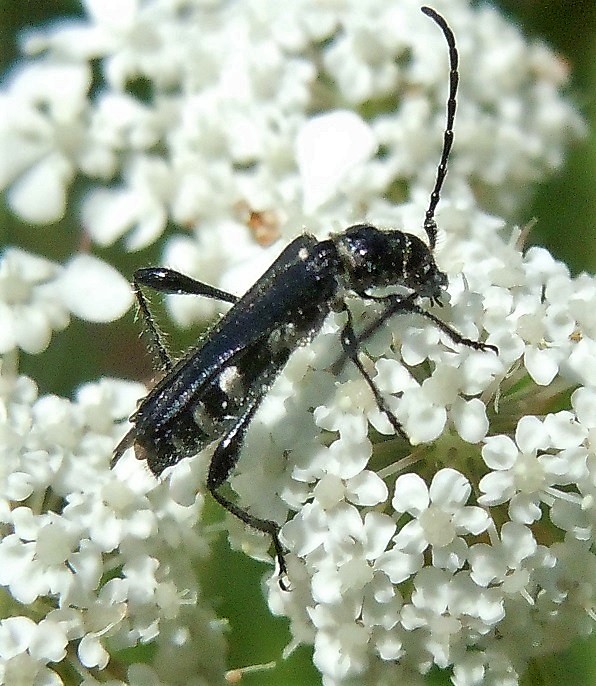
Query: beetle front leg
point(350, 344)
point(397, 304)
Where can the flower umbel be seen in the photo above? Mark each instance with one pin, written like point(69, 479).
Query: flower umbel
point(85, 554)
point(483, 530)
point(202, 109)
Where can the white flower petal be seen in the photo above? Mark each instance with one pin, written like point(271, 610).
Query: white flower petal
point(328, 146)
point(118, 15)
point(424, 422)
point(497, 488)
point(583, 402)
point(531, 435)
point(379, 529)
point(471, 519)
point(367, 489)
point(470, 419)
point(49, 642)
point(582, 361)
point(8, 339)
point(452, 556)
point(499, 452)
point(93, 290)
point(325, 586)
point(398, 565)
point(39, 195)
point(108, 214)
point(411, 538)
point(432, 589)
point(449, 489)
point(92, 653)
point(15, 635)
point(410, 494)
point(518, 541)
point(32, 330)
point(523, 508)
point(347, 458)
point(486, 563)
point(563, 430)
point(542, 365)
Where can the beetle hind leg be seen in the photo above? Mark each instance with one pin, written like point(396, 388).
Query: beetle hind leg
point(223, 461)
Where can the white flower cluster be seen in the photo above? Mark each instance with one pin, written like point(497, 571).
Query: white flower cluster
point(479, 556)
point(91, 558)
point(200, 104)
point(37, 297)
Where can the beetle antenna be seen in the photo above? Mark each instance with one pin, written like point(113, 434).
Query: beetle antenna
point(430, 225)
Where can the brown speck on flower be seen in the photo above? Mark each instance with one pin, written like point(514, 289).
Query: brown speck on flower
point(263, 224)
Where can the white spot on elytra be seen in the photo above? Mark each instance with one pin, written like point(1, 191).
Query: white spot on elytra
point(230, 382)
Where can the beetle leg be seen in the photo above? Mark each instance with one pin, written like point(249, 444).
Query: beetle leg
point(169, 281)
point(350, 344)
point(223, 461)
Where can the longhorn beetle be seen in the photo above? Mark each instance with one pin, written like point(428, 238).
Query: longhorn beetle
point(213, 392)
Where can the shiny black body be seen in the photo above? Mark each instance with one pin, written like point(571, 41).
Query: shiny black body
point(213, 392)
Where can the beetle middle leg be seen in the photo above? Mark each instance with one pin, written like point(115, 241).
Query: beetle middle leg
point(396, 305)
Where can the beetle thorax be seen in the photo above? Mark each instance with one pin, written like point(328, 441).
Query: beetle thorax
point(372, 258)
